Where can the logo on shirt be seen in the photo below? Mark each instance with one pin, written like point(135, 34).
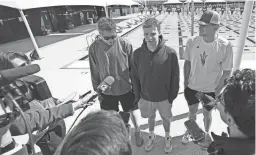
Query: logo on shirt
point(203, 58)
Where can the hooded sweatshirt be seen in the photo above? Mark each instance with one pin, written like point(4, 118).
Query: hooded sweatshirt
point(155, 75)
point(111, 60)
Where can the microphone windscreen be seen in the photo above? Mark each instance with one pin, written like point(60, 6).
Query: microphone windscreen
point(10, 75)
point(109, 80)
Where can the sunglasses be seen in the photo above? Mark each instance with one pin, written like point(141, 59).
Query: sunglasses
point(108, 38)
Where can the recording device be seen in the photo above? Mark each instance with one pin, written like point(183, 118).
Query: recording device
point(23, 86)
point(103, 86)
point(7, 77)
point(194, 130)
point(205, 100)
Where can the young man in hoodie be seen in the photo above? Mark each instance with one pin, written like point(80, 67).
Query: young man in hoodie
point(208, 61)
point(109, 55)
point(155, 79)
point(236, 104)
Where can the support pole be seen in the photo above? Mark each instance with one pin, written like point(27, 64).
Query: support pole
point(146, 8)
point(243, 32)
point(131, 14)
point(192, 17)
point(106, 10)
point(30, 33)
point(183, 8)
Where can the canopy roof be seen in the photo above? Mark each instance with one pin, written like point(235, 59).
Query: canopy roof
point(30, 4)
point(216, 1)
point(172, 2)
point(121, 2)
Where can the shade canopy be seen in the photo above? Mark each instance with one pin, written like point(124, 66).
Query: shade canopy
point(215, 1)
point(30, 4)
point(208, 1)
point(172, 2)
point(121, 2)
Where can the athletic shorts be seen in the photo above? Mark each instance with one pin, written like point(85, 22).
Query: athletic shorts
point(148, 108)
point(191, 98)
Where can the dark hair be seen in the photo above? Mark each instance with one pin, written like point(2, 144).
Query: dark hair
point(106, 24)
point(152, 22)
point(239, 98)
point(99, 133)
point(6, 59)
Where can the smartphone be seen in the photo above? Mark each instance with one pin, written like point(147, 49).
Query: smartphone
point(194, 130)
point(205, 100)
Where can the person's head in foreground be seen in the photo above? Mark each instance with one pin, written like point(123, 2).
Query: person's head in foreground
point(209, 24)
point(107, 30)
point(99, 133)
point(151, 30)
point(238, 101)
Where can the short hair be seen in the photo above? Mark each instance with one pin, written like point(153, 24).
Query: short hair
point(151, 22)
point(6, 59)
point(239, 98)
point(99, 133)
point(106, 24)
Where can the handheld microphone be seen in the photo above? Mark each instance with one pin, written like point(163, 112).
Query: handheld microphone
point(10, 75)
point(103, 86)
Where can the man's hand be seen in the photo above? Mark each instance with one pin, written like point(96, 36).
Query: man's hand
point(213, 102)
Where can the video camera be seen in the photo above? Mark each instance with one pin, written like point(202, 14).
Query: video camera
point(11, 101)
point(27, 88)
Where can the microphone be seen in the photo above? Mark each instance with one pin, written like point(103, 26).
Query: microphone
point(10, 75)
point(106, 83)
point(103, 86)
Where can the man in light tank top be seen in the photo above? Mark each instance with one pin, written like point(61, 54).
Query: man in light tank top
point(208, 62)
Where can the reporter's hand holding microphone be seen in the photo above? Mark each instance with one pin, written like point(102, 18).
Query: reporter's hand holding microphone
point(89, 99)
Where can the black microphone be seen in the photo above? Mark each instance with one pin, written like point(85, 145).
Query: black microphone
point(10, 75)
point(103, 86)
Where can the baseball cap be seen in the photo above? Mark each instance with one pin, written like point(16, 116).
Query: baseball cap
point(209, 17)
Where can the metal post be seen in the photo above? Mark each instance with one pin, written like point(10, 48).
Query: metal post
point(183, 8)
point(188, 4)
point(131, 13)
point(192, 17)
point(226, 10)
point(243, 32)
point(30, 33)
point(106, 10)
point(146, 8)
